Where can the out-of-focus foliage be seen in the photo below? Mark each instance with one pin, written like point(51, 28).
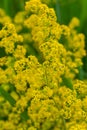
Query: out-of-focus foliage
point(11, 7)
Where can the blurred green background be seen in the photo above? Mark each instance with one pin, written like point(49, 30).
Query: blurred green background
point(65, 10)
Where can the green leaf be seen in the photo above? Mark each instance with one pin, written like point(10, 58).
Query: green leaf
point(58, 11)
point(11, 100)
point(83, 12)
point(24, 115)
point(67, 82)
point(81, 73)
point(7, 96)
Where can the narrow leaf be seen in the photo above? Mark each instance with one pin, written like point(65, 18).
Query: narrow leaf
point(7, 96)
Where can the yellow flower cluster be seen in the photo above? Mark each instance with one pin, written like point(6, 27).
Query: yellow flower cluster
point(8, 37)
point(38, 68)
